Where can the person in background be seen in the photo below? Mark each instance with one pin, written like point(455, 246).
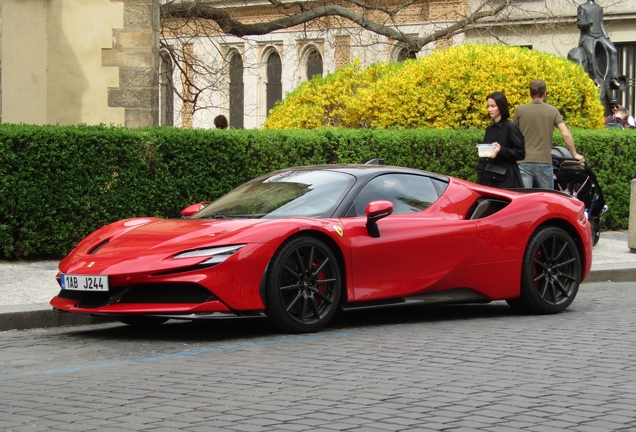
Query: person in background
point(220, 122)
point(614, 118)
point(537, 120)
point(621, 116)
point(501, 170)
point(613, 107)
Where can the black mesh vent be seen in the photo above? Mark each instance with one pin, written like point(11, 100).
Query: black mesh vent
point(70, 295)
point(149, 294)
point(167, 293)
point(86, 300)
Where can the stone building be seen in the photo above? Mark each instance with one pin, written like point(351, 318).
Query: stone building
point(261, 70)
point(70, 62)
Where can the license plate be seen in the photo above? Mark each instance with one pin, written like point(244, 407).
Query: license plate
point(84, 282)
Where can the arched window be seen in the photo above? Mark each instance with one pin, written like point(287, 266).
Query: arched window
point(166, 91)
point(236, 91)
point(404, 54)
point(274, 83)
point(314, 64)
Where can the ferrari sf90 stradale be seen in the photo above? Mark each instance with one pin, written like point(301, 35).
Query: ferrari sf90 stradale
point(299, 244)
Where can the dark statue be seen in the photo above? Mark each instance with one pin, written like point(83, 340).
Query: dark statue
point(596, 52)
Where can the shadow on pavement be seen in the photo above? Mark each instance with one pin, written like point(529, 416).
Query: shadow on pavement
point(218, 330)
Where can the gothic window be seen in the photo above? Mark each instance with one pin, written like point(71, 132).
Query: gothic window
point(404, 53)
point(314, 64)
point(166, 91)
point(274, 83)
point(236, 91)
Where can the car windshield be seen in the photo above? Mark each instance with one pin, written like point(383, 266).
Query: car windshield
point(284, 194)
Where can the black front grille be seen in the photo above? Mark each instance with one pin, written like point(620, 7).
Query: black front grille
point(167, 293)
point(145, 294)
point(86, 300)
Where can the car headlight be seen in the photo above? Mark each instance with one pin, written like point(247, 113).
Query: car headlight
point(216, 254)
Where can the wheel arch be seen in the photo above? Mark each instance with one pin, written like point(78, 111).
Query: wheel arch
point(571, 230)
point(551, 275)
point(331, 243)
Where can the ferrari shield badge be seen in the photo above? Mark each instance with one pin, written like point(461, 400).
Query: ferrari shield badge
point(338, 229)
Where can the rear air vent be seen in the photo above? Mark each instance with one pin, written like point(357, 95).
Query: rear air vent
point(486, 207)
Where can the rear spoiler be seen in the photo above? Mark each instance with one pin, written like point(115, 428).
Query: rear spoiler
point(535, 190)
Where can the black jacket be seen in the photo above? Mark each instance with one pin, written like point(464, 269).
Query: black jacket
point(509, 137)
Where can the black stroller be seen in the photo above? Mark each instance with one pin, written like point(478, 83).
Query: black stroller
point(579, 181)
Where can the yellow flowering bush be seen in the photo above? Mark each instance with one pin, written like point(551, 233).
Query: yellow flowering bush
point(446, 89)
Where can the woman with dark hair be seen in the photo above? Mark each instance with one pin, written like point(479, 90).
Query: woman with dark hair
point(500, 169)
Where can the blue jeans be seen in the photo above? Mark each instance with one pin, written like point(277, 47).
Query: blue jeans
point(537, 173)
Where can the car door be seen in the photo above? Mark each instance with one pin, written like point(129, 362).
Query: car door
point(415, 249)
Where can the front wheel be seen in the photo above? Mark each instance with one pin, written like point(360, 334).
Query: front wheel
point(303, 286)
point(550, 274)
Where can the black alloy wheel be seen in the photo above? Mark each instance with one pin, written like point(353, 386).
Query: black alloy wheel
point(550, 274)
point(303, 286)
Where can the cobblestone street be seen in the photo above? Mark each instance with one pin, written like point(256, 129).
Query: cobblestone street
point(454, 368)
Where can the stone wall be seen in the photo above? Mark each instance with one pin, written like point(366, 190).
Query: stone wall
point(136, 52)
point(71, 62)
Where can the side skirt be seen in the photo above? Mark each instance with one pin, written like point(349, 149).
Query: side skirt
point(457, 295)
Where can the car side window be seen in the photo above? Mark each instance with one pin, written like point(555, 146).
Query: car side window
point(409, 193)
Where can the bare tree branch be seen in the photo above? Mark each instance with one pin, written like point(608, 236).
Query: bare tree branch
point(462, 25)
point(206, 23)
point(231, 26)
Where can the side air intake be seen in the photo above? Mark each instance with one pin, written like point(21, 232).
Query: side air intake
point(486, 207)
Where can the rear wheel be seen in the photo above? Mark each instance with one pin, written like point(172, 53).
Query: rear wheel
point(303, 286)
point(551, 273)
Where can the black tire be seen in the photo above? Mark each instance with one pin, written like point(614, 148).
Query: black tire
point(143, 321)
point(303, 286)
point(550, 274)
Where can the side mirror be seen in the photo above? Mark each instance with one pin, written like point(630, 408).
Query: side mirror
point(194, 208)
point(375, 211)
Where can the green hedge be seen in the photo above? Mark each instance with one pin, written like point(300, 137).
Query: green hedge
point(57, 184)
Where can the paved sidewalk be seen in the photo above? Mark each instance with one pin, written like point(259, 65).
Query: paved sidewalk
point(27, 287)
point(612, 259)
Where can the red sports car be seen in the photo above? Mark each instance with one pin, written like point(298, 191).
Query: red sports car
point(299, 244)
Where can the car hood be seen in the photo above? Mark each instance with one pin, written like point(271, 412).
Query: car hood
point(159, 236)
point(148, 240)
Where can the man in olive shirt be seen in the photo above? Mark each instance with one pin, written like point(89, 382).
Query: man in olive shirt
point(537, 120)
